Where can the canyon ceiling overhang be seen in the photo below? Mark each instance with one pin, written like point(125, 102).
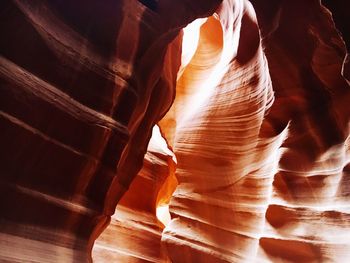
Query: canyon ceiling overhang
point(174, 131)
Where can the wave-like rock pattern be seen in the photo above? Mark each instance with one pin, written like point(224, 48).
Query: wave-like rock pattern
point(81, 86)
point(308, 214)
point(134, 234)
point(263, 175)
point(259, 127)
point(226, 163)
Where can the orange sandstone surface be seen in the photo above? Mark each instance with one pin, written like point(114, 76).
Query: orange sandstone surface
point(183, 131)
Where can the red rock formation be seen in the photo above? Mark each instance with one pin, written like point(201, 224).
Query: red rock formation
point(226, 163)
point(73, 106)
point(134, 234)
point(307, 218)
point(275, 177)
point(259, 126)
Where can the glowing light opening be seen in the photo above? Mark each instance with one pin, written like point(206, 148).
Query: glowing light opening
point(159, 144)
point(163, 214)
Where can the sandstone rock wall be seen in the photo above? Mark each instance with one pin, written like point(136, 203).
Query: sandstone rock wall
point(82, 85)
point(262, 181)
point(259, 127)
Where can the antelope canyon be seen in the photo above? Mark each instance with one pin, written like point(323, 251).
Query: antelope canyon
point(182, 131)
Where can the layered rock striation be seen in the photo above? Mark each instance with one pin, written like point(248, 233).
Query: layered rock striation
point(251, 100)
point(262, 175)
point(82, 85)
point(134, 234)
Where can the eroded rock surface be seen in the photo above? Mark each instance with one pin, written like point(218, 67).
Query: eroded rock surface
point(134, 234)
point(82, 85)
point(262, 181)
point(259, 127)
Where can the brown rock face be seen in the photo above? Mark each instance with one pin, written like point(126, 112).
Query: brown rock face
point(252, 156)
point(134, 234)
point(82, 85)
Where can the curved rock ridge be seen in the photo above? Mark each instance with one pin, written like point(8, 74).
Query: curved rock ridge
point(308, 216)
point(263, 175)
point(82, 84)
point(134, 234)
point(226, 159)
point(252, 102)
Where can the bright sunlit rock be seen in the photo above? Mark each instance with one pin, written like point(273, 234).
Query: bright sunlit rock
point(163, 214)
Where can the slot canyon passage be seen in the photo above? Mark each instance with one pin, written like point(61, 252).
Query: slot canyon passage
point(174, 131)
